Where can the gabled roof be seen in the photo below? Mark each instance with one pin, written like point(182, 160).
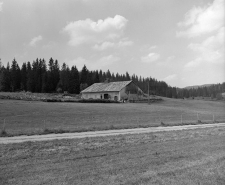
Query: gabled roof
point(104, 87)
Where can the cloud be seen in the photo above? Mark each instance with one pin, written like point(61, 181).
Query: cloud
point(78, 62)
point(34, 41)
point(103, 46)
point(148, 48)
point(107, 60)
point(49, 45)
point(194, 63)
point(153, 47)
point(170, 58)
point(168, 62)
point(199, 21)
point(93, 64)
point(170, 77)
point(84, 31)
point(106, 45)
point(1, 4)
point(124, 43)
point(151, 57)
point(210, 51)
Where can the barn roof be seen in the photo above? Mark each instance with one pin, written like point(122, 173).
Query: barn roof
point(104, 87)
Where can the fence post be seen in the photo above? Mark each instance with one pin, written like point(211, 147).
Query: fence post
point(44, 125)
point(198, 117)
point(3, 128)
point(181, 119)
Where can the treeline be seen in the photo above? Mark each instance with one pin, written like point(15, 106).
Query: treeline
point(213, 91)
point(41, 77)
point(47, 78)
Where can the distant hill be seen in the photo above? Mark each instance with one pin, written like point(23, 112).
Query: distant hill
point(197, 86)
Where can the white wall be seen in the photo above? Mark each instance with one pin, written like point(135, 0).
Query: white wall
point(123, 94)
point(98, 95)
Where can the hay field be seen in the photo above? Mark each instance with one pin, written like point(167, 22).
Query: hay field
point(176, 157)
point(35, 117)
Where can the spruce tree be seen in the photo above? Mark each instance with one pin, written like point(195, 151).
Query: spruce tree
point(5, 78)
point(43, 77)
point(96, 77)
point(15, 76)
point(30, 78)
point(84, 75)
point(50, 76)
point(74, 85)
point(64, 78)
point(24, 77)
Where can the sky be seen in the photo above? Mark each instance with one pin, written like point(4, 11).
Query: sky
point(180, 42)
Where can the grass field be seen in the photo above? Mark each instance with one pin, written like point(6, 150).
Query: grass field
point(178, 157)
point(34, 117)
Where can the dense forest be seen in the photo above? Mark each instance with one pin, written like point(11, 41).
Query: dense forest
point(47, 78)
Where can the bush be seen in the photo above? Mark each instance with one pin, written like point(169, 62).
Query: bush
point(3, 133)
point(97, 101)
point(52, 100)
point(219, 96)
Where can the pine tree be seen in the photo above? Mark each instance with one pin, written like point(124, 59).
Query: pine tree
point(100, 76)
point(74, 85)
point(90, 78)
point(50, 77)
point(127, 76)
point(96, 77)
point(108, 74)
point(35, 69)
point(56, 75)
point(84, 75)
point(5, 78)
point(64, 78)
point(15, 76)
point(24, 77)
point(30, 78)
point(44, 76)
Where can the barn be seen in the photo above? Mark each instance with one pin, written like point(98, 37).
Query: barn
point(118, 91)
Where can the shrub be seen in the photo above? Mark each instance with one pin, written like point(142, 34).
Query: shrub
point(51, 100)
point(97, 101)
point(3, 133)
point(219, 96)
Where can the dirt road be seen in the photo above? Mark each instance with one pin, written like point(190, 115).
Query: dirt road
point(20, 139)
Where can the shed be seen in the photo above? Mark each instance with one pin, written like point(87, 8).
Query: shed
point(117, 91)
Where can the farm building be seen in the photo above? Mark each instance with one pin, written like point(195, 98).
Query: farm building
point(117, 91)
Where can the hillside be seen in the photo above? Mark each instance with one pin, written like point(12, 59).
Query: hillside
point(197, 86)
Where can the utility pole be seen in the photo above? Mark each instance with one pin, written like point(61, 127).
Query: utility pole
point(129, 97)
point(148, 92)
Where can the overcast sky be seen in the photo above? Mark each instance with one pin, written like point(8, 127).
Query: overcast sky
point(178, 41)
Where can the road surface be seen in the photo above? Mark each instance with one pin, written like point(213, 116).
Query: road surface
point(23, 138)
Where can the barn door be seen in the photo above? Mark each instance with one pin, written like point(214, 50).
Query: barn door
point(106, 96)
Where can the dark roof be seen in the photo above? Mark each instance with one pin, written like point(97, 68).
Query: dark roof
point(103, 87)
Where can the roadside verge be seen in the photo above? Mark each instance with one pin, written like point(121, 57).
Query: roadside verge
point(33, 138)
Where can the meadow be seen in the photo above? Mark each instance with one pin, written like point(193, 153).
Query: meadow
point(175, 157)
point(36, 117)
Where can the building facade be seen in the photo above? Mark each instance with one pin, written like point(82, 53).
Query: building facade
point(117, 91)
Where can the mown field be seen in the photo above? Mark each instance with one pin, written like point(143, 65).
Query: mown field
point(36, 117)
point(177, 157)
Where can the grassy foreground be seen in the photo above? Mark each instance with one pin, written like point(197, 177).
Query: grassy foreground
point(178, 157)
point(36, 117)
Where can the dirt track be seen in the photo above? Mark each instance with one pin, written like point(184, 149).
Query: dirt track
point(20, 139)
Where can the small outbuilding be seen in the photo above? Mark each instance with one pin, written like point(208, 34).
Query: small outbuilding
point(117, 91)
